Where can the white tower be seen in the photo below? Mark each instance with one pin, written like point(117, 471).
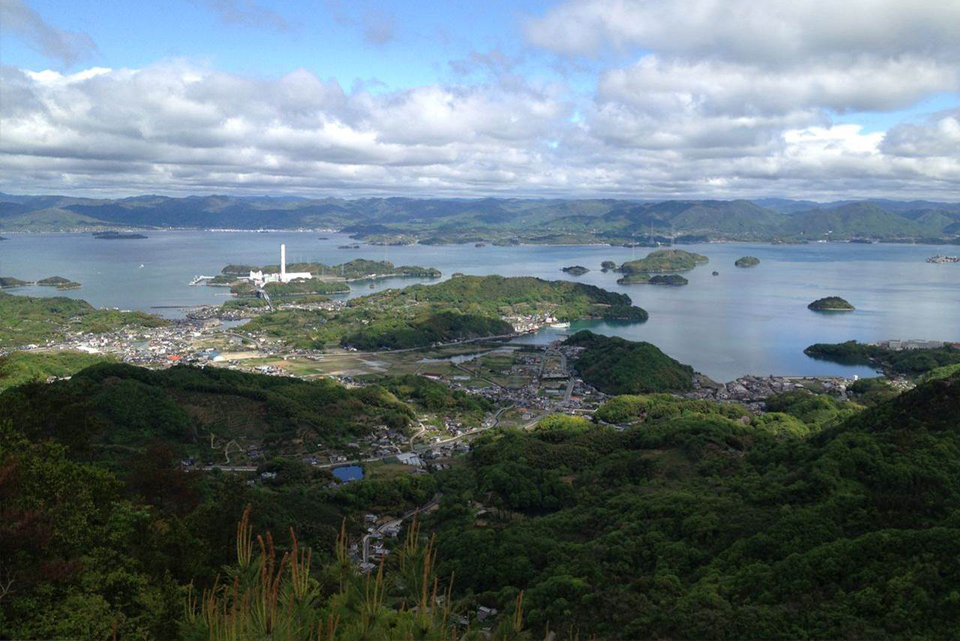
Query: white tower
point(283, 263)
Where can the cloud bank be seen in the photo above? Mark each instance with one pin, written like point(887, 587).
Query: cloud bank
point(742, 98)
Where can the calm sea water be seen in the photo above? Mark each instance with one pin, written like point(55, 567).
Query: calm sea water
point(743, 321)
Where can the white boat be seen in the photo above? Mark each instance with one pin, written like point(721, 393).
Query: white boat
point(560, 325)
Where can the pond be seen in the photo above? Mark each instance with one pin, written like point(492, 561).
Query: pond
point(348, 473)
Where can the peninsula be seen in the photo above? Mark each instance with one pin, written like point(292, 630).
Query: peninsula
point(831, 304)
point(461, 308)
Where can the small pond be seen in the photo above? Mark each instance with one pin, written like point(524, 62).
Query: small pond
point(348, 473)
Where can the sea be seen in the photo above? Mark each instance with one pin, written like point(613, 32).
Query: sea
point(742, 321)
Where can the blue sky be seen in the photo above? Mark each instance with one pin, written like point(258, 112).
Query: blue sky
point(571, 97)
point(325, 36)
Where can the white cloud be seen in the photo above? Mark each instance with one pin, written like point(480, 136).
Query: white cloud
point(657, 129)
point(762, 32)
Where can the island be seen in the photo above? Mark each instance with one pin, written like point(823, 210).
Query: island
point(59, 282)
point(831, 304)
point(53, 281)
point(716, 273)
point(480, 245)
point(116, 235)
point(669, 280)
point(664, 261)
point(747, 261)
point(608, 266)
point(576, 270)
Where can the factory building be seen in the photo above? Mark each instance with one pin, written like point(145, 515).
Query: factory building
point(284, 276)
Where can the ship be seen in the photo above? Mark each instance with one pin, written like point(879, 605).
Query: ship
point(943, 259)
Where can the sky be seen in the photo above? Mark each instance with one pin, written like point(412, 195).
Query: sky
point(646, 99)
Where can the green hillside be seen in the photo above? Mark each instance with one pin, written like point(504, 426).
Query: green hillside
point(111, 411)
point(853, 220)
point(908, 362)
point(707, 522)
point(25, 319)
point(617, 366)
point(17, 368)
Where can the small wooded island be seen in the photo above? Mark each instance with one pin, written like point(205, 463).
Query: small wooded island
point(669, 280)
point(664, 261)
point(747, 261)
point(59, 282)
point(116, 235)
point(576, 270)
point(608, 266)
point(831, 304)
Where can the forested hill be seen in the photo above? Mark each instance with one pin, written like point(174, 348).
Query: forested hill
point(107, 411)
point(617, 366)
point(392, 220)
point(696, 520)
point(704, 522)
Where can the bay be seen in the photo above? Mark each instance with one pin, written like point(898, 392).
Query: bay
point(743, 321)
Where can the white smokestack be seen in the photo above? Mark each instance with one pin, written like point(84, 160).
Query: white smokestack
point(283, 263)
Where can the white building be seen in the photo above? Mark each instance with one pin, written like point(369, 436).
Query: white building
point(284, 276)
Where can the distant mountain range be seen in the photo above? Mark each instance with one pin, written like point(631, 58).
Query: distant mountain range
point(405, 220)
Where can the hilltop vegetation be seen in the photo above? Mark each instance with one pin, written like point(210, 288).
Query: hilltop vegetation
point(25, 319)
point(17, 368)
point(305, 287)
point(499, 221)
point(108, 410)
point(705, 522)
point(460, 308)
point(617, 366)
point(664, 261)
point(354, 269)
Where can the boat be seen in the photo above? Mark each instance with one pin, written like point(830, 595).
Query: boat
point(559, 325)
point(943, 259)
